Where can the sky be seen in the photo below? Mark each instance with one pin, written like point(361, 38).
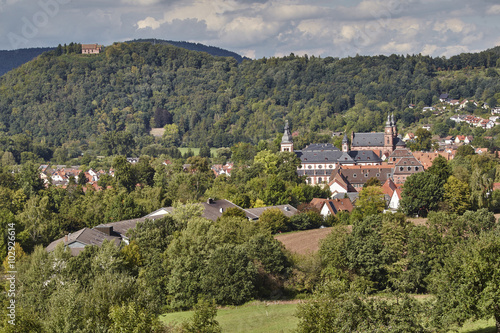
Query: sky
point(261, 28)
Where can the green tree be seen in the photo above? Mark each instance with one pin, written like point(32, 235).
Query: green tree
point(29, 179)
point(370, 201)
point(82, 179)
point(456, 195)
point(336, 309)
point(205, 152)
point(273, 220)
point(465, 150)
point(203, 320)
point(423, 140)
point(466, 286)
point(422, 193)
point(372, 182)
point(124, 173)
point(132, 318)
point(440, 168)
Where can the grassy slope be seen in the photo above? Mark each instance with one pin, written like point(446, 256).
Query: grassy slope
point(253, 317)
point(259, 317)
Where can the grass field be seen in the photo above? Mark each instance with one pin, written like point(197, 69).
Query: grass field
point(264, 317)
point(253, 317)
point(196, 151)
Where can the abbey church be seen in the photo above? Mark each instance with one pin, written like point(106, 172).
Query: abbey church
point(318, 160)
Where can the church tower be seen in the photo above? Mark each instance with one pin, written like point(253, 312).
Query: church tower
point(286, 140)
point(345, 144)
point(389, 134)
point(394, 128)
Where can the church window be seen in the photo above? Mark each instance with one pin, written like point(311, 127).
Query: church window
point(320, 166)
point(309, 166)
point(401, 168)
point(320, 180)
point(330, 166)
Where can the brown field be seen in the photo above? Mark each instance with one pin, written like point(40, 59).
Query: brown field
point(303, 242)
point(157, 131)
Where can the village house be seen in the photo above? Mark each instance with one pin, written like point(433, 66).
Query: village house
point(91, 48)
point(328, 207)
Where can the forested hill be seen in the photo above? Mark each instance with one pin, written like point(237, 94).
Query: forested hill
point(215, 51)
point(214, 100)
point(15, 58)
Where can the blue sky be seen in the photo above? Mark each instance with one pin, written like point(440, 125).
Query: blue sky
point(262, 28)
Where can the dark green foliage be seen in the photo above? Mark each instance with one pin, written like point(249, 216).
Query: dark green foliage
point(305, 220)
point(203, 319)
point(213, 100)
point(235, 212)
point(229, 275)
point(421, 194)
point(124, 173)
point(467, 284)
point(365, 250)
point(465, 150)
point(372, 182)
point(337, 309)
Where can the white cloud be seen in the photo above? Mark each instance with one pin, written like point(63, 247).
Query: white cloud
point(141, 2)
point(493, 10)
point(148, 22)
point(393, 47)
point(429, 49)
point(453, 25)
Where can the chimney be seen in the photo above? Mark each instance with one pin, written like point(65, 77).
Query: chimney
point(210, 201)
point(66, 239)
point(105, 229)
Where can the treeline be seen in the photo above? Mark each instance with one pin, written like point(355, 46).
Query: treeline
point(61, 98)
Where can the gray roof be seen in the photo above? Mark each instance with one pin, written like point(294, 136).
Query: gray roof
point(213, 209)
point(362, 174)
point(366, 156)
point(286, 209)
point(319, 147)
point(351, 195)
point(368, 139)
point(84, 236)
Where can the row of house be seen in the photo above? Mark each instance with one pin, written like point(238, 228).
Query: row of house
point(60, 175)
point(117, 231)
point(474, 121)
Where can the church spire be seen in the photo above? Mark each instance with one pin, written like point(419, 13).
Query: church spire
point(388, 123)
point(286, 140)
point(345, 144)
point(287, 137)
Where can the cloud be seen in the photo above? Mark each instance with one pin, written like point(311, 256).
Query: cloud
point(148, 22)
point(493, 10)
point(141, 2)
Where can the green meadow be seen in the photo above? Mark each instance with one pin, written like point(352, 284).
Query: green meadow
point(263, 317)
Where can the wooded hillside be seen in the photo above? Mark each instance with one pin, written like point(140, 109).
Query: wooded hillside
point(60, 97)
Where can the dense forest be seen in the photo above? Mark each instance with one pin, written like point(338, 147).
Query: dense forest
point(63, 97)
point(15, 58)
